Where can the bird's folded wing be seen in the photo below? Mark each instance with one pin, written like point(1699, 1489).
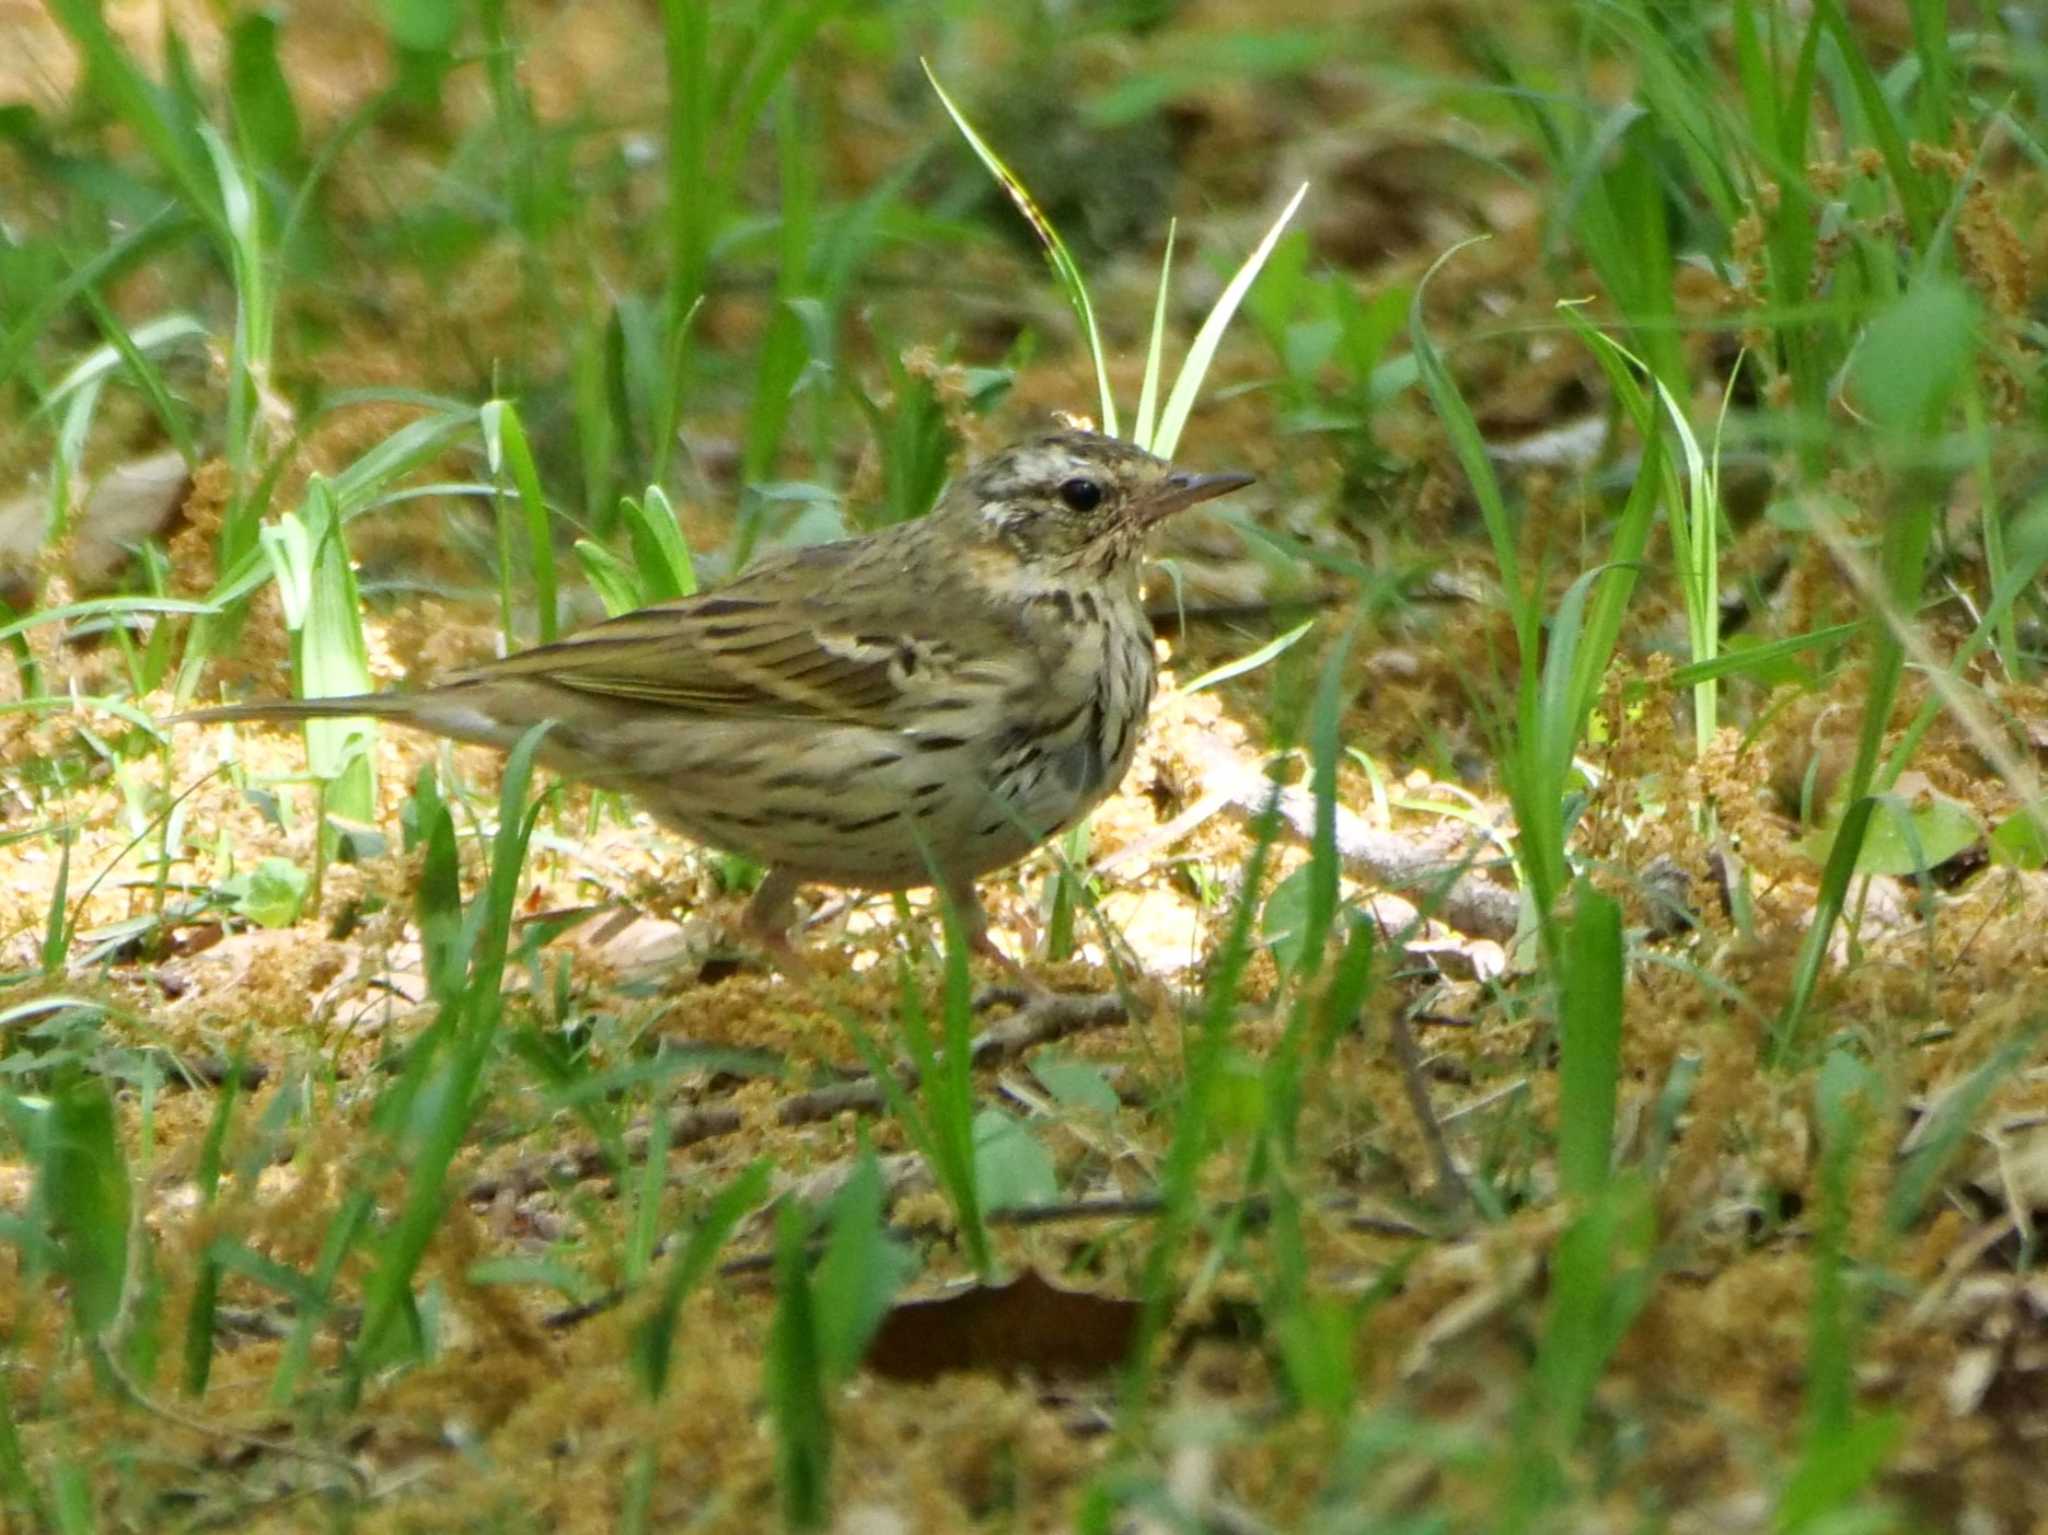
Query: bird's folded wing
point(730, 657)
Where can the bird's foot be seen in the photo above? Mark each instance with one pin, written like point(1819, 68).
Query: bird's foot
point(1037, 1010)
point(765, 926)
point(1020, 983)
point(781, 952)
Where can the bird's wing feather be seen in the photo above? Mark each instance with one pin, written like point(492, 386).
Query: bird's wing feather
point(780, 642)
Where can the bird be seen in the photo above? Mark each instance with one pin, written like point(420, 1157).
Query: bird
point(920, 705)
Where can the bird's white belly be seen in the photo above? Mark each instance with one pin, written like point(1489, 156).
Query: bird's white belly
point(870, 808)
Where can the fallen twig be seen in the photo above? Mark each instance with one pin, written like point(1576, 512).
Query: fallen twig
point(1445, 887)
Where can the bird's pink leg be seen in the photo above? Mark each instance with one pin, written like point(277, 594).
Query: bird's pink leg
point(1021, 987)
point(766, 923)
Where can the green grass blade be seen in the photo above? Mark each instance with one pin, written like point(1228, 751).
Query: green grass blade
point(1056, 253)
point(660, 551)
point(1762, 658)
point(106, 607)
point(644, 1222)
point(148, 377)
point(1244, 664)
point(1470, 449)
point(82, 1189)
point(685, 31)
point(506, 448)
point(796, 1384)
point(653, 1348)
point(56, 929)
point(1589, 1020)
point(144, 106)
point(266, 119)
point(249, 359)
point(152, 336)
point(456, 1052)
point(334, 658)
point(617, 584)
point(1832, 897)
point(1188, 384)
point(1144, 432)
point(199, 1320)
point(17, 1483)
point(1194, 1127)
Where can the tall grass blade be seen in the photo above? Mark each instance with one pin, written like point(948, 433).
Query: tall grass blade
point(1064, 267)
point(506, 447)
point(1470, 449)
point(1187, 385)
point(82, 1191)
point(455, 1053)
point(199, 1321)
point(323, 612)
point(653, 1349)
point(1144, 432)
point(796, 1384)
point(144, 107)
point(1590, 1038)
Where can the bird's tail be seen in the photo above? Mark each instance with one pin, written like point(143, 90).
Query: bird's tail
point(386, 706)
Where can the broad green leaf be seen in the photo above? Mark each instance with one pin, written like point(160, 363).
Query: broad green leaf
point(860, 1272)
point(1914, 355)
point(1011, 1168)
point(1075, 1084)
point(2020, 841)
point(422, 26)
point(1912, 841)
point(274, 893)
point(1284, 919)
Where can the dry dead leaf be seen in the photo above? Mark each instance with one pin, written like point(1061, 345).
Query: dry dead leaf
point(1028, 1326)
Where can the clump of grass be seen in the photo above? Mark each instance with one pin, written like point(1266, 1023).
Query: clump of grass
point(1161, 435)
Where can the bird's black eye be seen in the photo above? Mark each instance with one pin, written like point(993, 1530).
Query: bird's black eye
point(1082, 495)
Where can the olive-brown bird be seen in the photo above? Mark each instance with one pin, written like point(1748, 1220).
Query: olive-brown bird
point(918, 706)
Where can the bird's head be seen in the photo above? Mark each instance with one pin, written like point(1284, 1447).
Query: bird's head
point(1078, 498)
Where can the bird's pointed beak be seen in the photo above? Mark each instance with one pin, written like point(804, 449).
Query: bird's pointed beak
point(1178, 491)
